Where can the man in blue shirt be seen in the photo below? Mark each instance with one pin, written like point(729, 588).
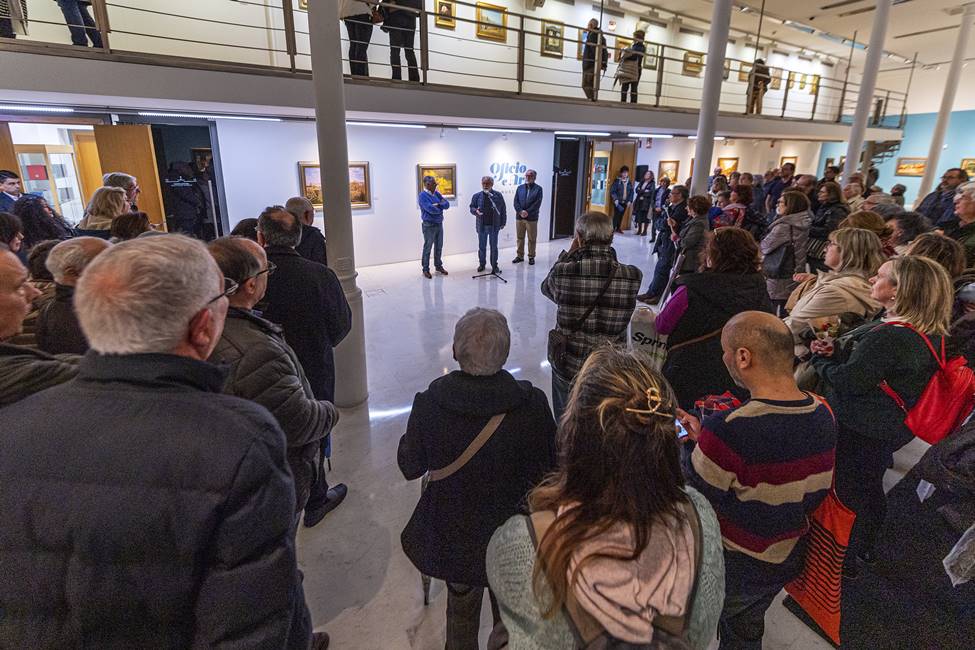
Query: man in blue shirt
point(432, 204)
point(939, 205)
point(774, 190)
point(528, 201)
point(489, 208)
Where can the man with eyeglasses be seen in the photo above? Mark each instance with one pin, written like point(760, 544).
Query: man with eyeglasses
point(939, 205)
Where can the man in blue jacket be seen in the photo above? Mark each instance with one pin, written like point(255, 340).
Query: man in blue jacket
point(432, 204)
point(528, 201)
point(10, 190)
point(489, 208)
point(622, 195)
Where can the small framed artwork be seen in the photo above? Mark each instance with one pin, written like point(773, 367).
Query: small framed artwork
point(581, 43)
point(202, 158)
point(303, 5)
point(911, 166)
point(727, 69)
point(621, 44)
point(553, 39)
point(728, 165)
point(359, 189)
point(814, 84)
point(651, 57)
point(445, 14)
point(446, 176)
point(744, 69)
point(492, 22)
point(968, 164)
point(669, 169)
point(310, 182)
point(776, 75)
point(693, 64)
point(789, 159)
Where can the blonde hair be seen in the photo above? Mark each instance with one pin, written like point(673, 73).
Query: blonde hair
point(861, 251)
point(868, 221)
point(108, 202)
point(925, 294)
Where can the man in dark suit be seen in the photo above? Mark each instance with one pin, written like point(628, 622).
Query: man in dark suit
point(312, 245)
point(400, 23)
point(307, 301)
point(10, 190)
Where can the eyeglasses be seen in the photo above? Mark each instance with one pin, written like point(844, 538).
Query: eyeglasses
point(229, 288)
point(271, 268)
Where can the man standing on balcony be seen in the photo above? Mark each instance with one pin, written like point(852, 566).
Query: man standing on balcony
point(80, 23)
point(400, 24)
point(357, 16)
point(594, 49)
point(758, 83)
point(528, 201)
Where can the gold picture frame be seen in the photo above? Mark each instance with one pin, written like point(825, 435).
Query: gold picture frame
point(581, 43)
point(693, 64)
point(303, 5)
point(621, 44)
point(446, 14)
point(726, 73)
point(728, 165)
point(360, 188)
point(814, 84)
point(788, 159)
point(669, 169)
point(911, 166)
point(744, 69)
point(446, 175)
point(968, 164)
point(776, 74)
point(492, 22)
point(552, 39)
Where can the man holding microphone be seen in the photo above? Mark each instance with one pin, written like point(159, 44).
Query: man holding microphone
point(489, 208)
point(528, 201)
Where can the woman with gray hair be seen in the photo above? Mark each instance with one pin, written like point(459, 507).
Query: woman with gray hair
point(484, 440)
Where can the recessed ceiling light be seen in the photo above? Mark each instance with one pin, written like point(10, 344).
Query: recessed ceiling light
point(23, 108)
point(485, 129)
point(202, 116)
point(654, 136)
point(595, 134)
point(388, 125)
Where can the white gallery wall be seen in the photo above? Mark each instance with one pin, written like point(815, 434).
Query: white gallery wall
point(260, 168)
point(755, 156)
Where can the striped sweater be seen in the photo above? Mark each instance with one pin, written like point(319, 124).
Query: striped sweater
point(765, 467)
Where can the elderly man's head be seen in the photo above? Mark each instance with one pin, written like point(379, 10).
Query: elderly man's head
point(302, 209)
point(68, 259)
point(481, 342)
point(245, 262)
point(487, 183)
point(594, 228)
point(757, 347)
point(965, 202)
point(278, 227)
point(16, 295)
point(162, 295)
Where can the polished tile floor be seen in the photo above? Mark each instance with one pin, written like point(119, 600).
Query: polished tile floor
point(359, 585)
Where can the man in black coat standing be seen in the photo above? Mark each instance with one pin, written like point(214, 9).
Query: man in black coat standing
point(312, 244)
point(141, 507)
point(306, 299)
point(400, 23)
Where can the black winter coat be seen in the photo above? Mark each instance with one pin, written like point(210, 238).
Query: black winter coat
point(312, 245)
point(826, 218)
point(449, 531)
point(58, 329)
point(25, 371)
point(307, 301)
point(264, 369)
point(144, 509)
point(697, 369)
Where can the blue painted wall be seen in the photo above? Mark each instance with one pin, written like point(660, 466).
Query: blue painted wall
point(960, 142)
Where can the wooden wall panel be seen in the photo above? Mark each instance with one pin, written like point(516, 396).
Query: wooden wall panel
point(8, 158)
point(87, 161)
point(128, 148)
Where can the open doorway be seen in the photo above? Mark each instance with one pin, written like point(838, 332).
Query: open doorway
point(565, 184)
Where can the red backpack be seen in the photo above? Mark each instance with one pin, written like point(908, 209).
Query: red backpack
point(947, 399)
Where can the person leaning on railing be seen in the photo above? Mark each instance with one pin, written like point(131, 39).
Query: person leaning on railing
point(400, 24)
point(357, 16)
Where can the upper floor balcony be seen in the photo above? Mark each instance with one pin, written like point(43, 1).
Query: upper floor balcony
point(462, 48)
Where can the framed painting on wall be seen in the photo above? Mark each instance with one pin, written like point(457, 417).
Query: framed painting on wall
point(202, 158)
point(744, 69)
point(789, 159)
point(303, 5)
point(581, 43)
point(446, 176)
point(814, 85)
point(968, 164)
point(668, 168)
point(651, 57)
point(492, 22)
point(776, 75)
point(621, 44)
point(693, 64)
point(310, 182)
point(553, 39)
point(728, 165)
point(727, 69)
point(911, 166)
point(445, 14)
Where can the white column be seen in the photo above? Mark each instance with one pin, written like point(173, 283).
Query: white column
point(713, 76)
point(351, 387)
point(868, 83)
point(947, 102)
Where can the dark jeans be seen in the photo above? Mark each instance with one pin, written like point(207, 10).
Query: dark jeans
point(319, 487)
point(618, 216)
point(400, 37)
point(464, 615)
point(360, 33)
point(484, 234)
point(750, 587)
point(432, 238)
point(80, 23)
point(665, 262)
point(7, 28)
point(560, 394)
point(629, 87)
point(860, 466)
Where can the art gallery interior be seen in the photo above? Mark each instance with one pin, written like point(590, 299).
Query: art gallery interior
point(249, 98)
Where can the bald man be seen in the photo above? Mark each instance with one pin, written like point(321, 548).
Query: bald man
point(764, 467)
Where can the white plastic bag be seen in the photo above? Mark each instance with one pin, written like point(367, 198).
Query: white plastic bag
point(960, 561)
point(643, 335)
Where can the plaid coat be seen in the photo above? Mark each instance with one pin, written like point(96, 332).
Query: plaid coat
point(573, 284)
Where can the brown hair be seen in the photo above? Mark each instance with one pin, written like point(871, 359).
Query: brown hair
point(618, 465)
point(795, 201)
point(745, 195)
point(699, 205)
point(834, 191)
point(947, 252)
point(868, 221)
point(130, 225)
point(731, 250)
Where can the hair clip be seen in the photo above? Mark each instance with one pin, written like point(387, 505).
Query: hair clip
point(654, 402)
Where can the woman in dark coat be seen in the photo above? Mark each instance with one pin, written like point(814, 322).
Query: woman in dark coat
point(729, 284)
point(832, 210)
point(645, 192)
point(39, 220)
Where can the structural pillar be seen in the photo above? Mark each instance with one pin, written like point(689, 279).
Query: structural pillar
point(947, 102)
point(351, 386)
point(710, 99)
point(875, 50)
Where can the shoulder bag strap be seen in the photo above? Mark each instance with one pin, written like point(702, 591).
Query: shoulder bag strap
point(612, 274)
point(942, 360)
point(473, 448)
point(699, 339)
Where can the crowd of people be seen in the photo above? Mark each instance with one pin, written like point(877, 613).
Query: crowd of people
point(639, 504)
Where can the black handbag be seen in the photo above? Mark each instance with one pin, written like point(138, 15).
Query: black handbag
point(780, 264)
point(558, 341)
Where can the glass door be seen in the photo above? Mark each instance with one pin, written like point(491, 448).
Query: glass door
point(35, 175)
point(67, 186)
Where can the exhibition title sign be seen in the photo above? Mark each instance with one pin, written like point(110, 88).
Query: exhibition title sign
point(508, 176)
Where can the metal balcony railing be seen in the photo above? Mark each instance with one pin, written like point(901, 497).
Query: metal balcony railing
point(471, 46)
